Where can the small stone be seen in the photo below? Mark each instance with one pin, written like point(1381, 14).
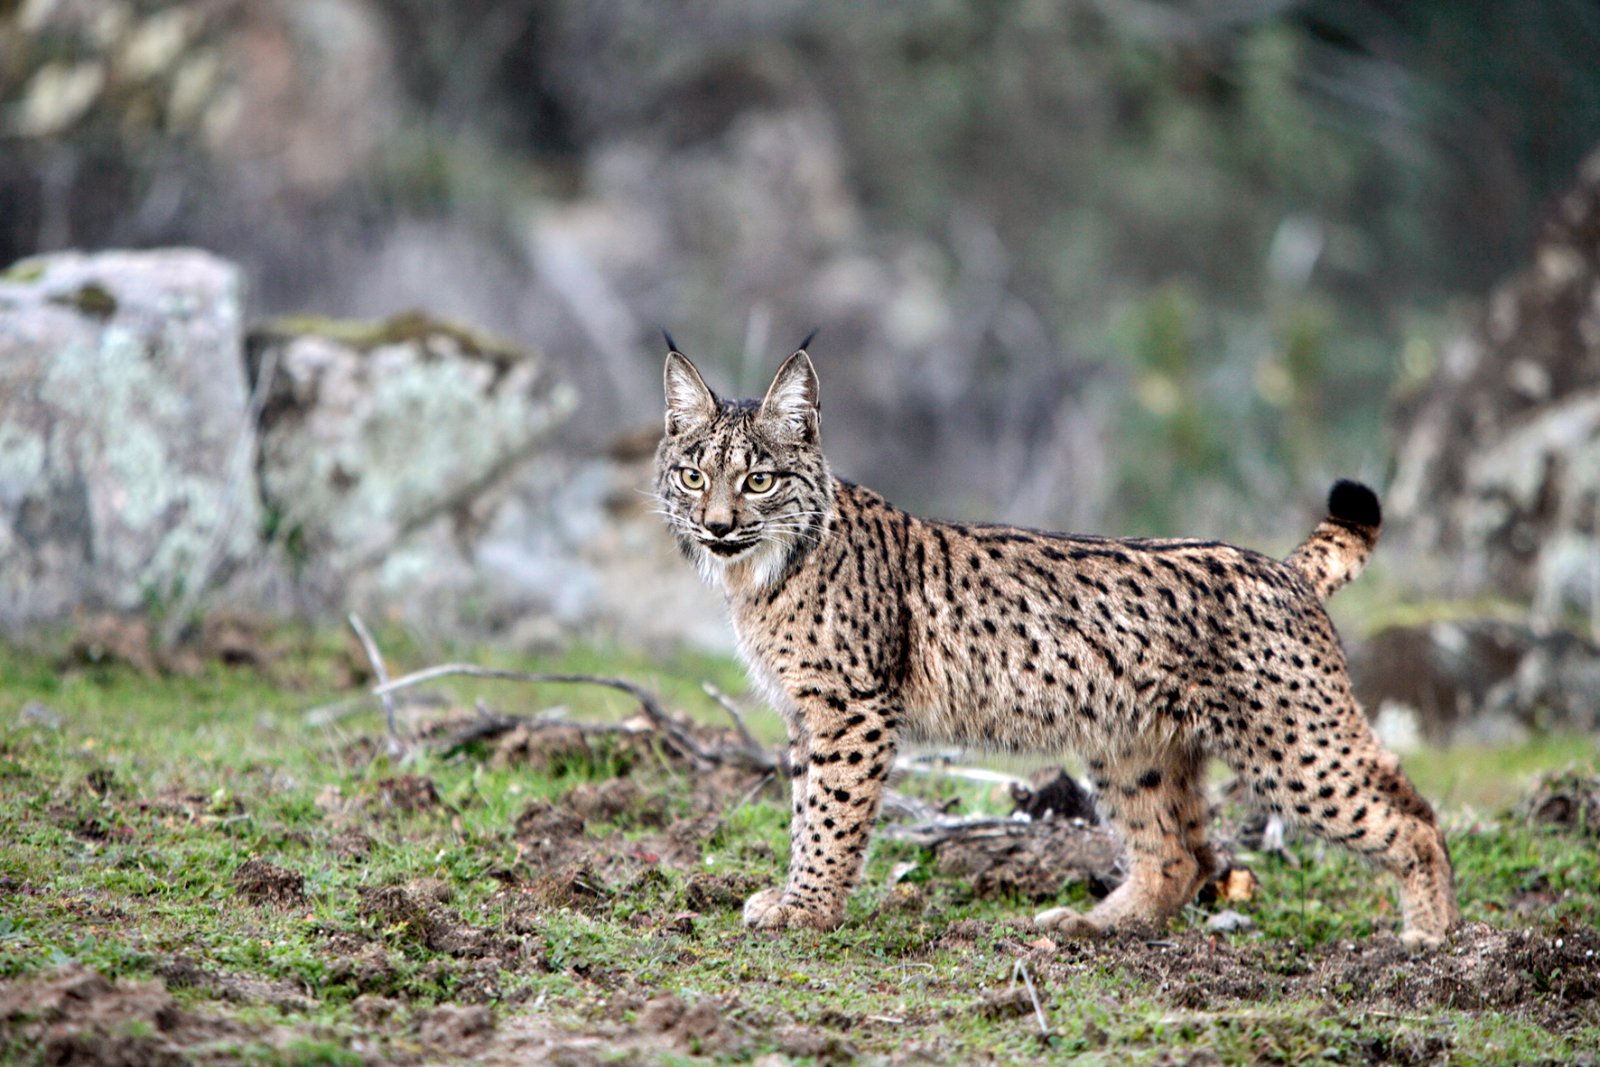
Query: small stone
point(37, 714)
point(1230, 922)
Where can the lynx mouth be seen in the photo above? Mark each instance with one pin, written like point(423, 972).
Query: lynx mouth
point(727, 548)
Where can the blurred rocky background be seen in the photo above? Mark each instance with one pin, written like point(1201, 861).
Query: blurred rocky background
point(1113, 265)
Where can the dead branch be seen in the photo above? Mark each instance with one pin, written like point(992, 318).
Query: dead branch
point(898, 807)
point(671, 730)
point(938, 830)
point(1033, 994)
point(490, 725)
point(380, 672)
point(758, 755)
point(943, 764)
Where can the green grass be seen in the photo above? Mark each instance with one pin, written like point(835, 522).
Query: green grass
point(129, 803)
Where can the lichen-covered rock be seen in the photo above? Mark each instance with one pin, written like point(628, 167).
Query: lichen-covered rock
point(385, 448)
point(1499, 462)
point(124, 436)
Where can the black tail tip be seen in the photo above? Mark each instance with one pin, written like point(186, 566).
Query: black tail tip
point(1354, 503)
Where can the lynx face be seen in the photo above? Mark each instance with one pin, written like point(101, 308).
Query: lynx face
point(743, 485)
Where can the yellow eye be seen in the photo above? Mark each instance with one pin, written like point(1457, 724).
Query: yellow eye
point(759, 482)
point(691, 478)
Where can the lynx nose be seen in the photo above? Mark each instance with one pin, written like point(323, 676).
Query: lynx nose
point(718, 529)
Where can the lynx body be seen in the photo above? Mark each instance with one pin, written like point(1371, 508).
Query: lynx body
point(866, 626)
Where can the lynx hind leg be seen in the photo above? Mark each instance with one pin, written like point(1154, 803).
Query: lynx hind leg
point(1351, 791)
point(1158, 805)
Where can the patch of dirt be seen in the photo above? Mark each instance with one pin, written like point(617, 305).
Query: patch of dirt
point(181, 972)
point(820, 1046)
point(454, 1029)
point(179, 804)
point(719, 892)
point(397, 912)
point(261, 882)
point(113, 639)
point(1032, 861)
point(906, 898)
point(408, 792)
point(616, 800)
point(1006, 1003)
point(719, 789)
point(554, 837)
point(554, 747)
point(704, 1027)
point(412, 915)
point(1569, 800)
point(373, 1010)
point(1553, 976)
point(549, 835)
point(76, 1015)
point(361, 964)
point(576, 887)
point(351, 844)
point(965, 934)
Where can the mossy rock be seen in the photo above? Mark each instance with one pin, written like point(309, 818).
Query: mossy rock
point(91, 298)
point(364, 335)
point(24, 271)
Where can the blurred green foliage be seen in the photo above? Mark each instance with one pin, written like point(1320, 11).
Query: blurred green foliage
point(1247, 212)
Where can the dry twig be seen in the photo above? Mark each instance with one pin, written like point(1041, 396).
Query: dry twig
point(758, 755)
point(1033, 994)
point(942, 764)
point(938, 830)
point(671, 730)
point(381, 672)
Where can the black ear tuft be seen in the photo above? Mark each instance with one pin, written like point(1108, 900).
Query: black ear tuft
point(672, 346)
point(1354, 503)
point(807, 342)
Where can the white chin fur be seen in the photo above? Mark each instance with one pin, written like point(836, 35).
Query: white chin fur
point(761, 564)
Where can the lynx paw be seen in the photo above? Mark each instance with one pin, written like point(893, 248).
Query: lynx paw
point(1068, 923)
point(1415, 941)
point(767, 910)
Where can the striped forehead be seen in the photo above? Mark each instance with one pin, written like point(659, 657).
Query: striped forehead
point(730, 442)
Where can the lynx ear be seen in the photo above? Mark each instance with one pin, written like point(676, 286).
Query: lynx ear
point(689, 401)
point(791, 408)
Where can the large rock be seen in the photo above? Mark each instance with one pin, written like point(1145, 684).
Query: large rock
point(406, 471)
point(125, 443)
point(1499, 460)
point(385, 450)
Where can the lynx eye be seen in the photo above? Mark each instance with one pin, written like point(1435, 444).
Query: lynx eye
point(691, 478)
point(759, 482)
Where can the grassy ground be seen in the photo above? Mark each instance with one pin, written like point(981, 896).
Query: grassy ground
point(192, 869)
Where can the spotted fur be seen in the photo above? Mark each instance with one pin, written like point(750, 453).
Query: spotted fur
point(866, 626)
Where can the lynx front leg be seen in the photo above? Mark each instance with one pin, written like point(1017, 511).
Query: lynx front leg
point(846, 759)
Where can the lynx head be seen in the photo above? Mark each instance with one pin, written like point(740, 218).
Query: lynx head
point(743, 483)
